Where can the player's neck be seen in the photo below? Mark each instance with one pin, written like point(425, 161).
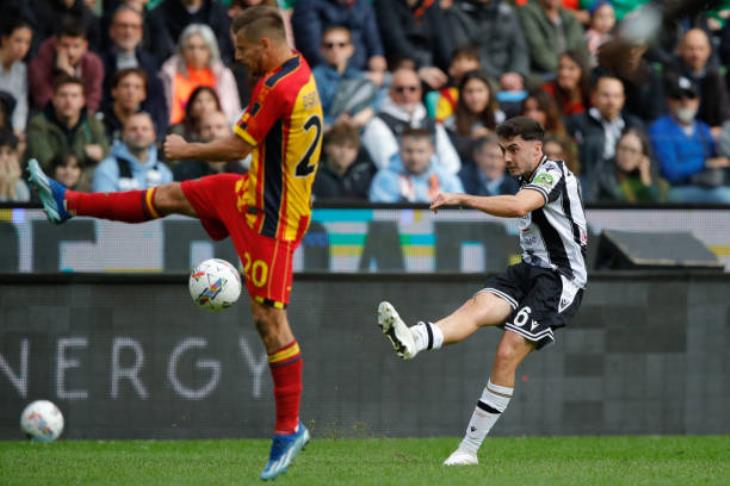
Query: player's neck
point(279, 56)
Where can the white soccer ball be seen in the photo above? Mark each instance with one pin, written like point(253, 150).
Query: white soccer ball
point(42, 421)
point(215, 284)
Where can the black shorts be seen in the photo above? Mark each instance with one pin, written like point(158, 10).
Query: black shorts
point(541, 299)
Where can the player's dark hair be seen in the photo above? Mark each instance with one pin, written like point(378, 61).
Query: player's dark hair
point(71, 28)
point(259, 21)
point(123, 73)
point(343, 134)
point(521, 126)
point(65, 79)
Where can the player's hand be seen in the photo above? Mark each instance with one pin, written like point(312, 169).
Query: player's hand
point(174, 147)
point(445, 199)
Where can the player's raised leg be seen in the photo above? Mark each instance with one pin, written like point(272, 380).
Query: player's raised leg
point(61, 204)
point(285, 362)
point(511, 351)
point(483, 309)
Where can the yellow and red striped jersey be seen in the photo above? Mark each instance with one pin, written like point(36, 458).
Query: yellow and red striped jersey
point(284, 123)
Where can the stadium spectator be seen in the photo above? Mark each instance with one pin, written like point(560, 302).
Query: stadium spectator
point(16, 34)
point(414, 174)
point(129, 90)
point(550, 30)
point(603, 20)
point(346, 171)
point(124, 52)
point(542, 108)
point(65, 126)
point(213, 126)
point(693, 62)
point(477, 113)
point(400, 110)
point(132, 164)
point(487, 176)
point(415, 30)
point(67, 169)
point(203, 100)
point(630, 177)
point(571, 88)
point(597, 130)
point(685, 148)
point(346, 93)
point(111, 8)
point(12, 186)
point(7, 108)
point(311, 18)
point(562, 148)
point(66, 54)
point(198, 63)
point(642, 83)
point(49, 14)
point(442, 103)
point(170, 18)
point(492, 27)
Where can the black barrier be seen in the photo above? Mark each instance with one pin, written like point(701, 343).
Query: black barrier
point(130, 357)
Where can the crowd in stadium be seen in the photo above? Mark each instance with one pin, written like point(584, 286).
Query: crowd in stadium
point(412, 91)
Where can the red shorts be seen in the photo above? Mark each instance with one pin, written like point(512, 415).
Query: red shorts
point(267, 262)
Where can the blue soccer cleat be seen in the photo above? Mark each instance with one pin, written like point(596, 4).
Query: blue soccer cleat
point(283, 451)
point(52, 193)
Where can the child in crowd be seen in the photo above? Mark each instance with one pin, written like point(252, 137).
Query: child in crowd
point(603, 19)
point(12, 186)
point(69, 171)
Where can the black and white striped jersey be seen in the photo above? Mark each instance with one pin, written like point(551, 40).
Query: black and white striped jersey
point(555, 236)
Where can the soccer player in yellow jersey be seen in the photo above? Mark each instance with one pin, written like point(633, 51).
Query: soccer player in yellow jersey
point(266, 212)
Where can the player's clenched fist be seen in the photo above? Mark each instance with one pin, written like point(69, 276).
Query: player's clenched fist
point(174, 147)
point(445, 199)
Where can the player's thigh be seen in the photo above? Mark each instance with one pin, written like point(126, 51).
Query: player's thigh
point(170, 199)
point(482, 309)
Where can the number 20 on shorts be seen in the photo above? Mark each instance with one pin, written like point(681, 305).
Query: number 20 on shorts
point(256, 271)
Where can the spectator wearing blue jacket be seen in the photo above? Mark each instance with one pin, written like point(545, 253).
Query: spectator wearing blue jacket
point(685, 149)
point(413, 174)
point(347, 95)
point(312, 17)
point(133, 163)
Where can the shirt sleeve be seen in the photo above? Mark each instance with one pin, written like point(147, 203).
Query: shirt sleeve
point(262, 112)
point(548, 181)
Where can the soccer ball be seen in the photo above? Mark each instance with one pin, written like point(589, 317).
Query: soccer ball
point(215, 284)
point(42, 421)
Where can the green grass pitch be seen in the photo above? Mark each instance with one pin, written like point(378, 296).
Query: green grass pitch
point(509, 461)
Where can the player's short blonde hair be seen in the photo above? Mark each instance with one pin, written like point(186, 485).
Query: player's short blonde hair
point(260, 21)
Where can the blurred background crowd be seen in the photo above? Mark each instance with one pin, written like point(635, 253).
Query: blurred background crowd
point(412, 91)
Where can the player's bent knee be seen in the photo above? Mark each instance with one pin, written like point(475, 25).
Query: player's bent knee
point(170, 199)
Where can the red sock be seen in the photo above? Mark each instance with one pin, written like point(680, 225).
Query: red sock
point(286, 369)
point(128, 206)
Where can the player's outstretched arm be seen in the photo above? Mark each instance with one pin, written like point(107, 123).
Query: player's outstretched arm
point(230, 148)
point(504, 206)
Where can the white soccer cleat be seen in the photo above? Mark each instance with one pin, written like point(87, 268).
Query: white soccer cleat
point(461, 458)
point(396, 331)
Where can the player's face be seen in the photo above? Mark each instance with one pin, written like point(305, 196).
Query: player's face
point(250, 54)
point(416, 154)
point(521, 156)
point(476, 95)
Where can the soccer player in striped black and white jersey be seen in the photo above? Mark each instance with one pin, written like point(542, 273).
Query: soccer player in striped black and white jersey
point(530, 299)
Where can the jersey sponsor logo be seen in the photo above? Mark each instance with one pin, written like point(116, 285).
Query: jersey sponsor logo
point(543, 179)
point(534, 325)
